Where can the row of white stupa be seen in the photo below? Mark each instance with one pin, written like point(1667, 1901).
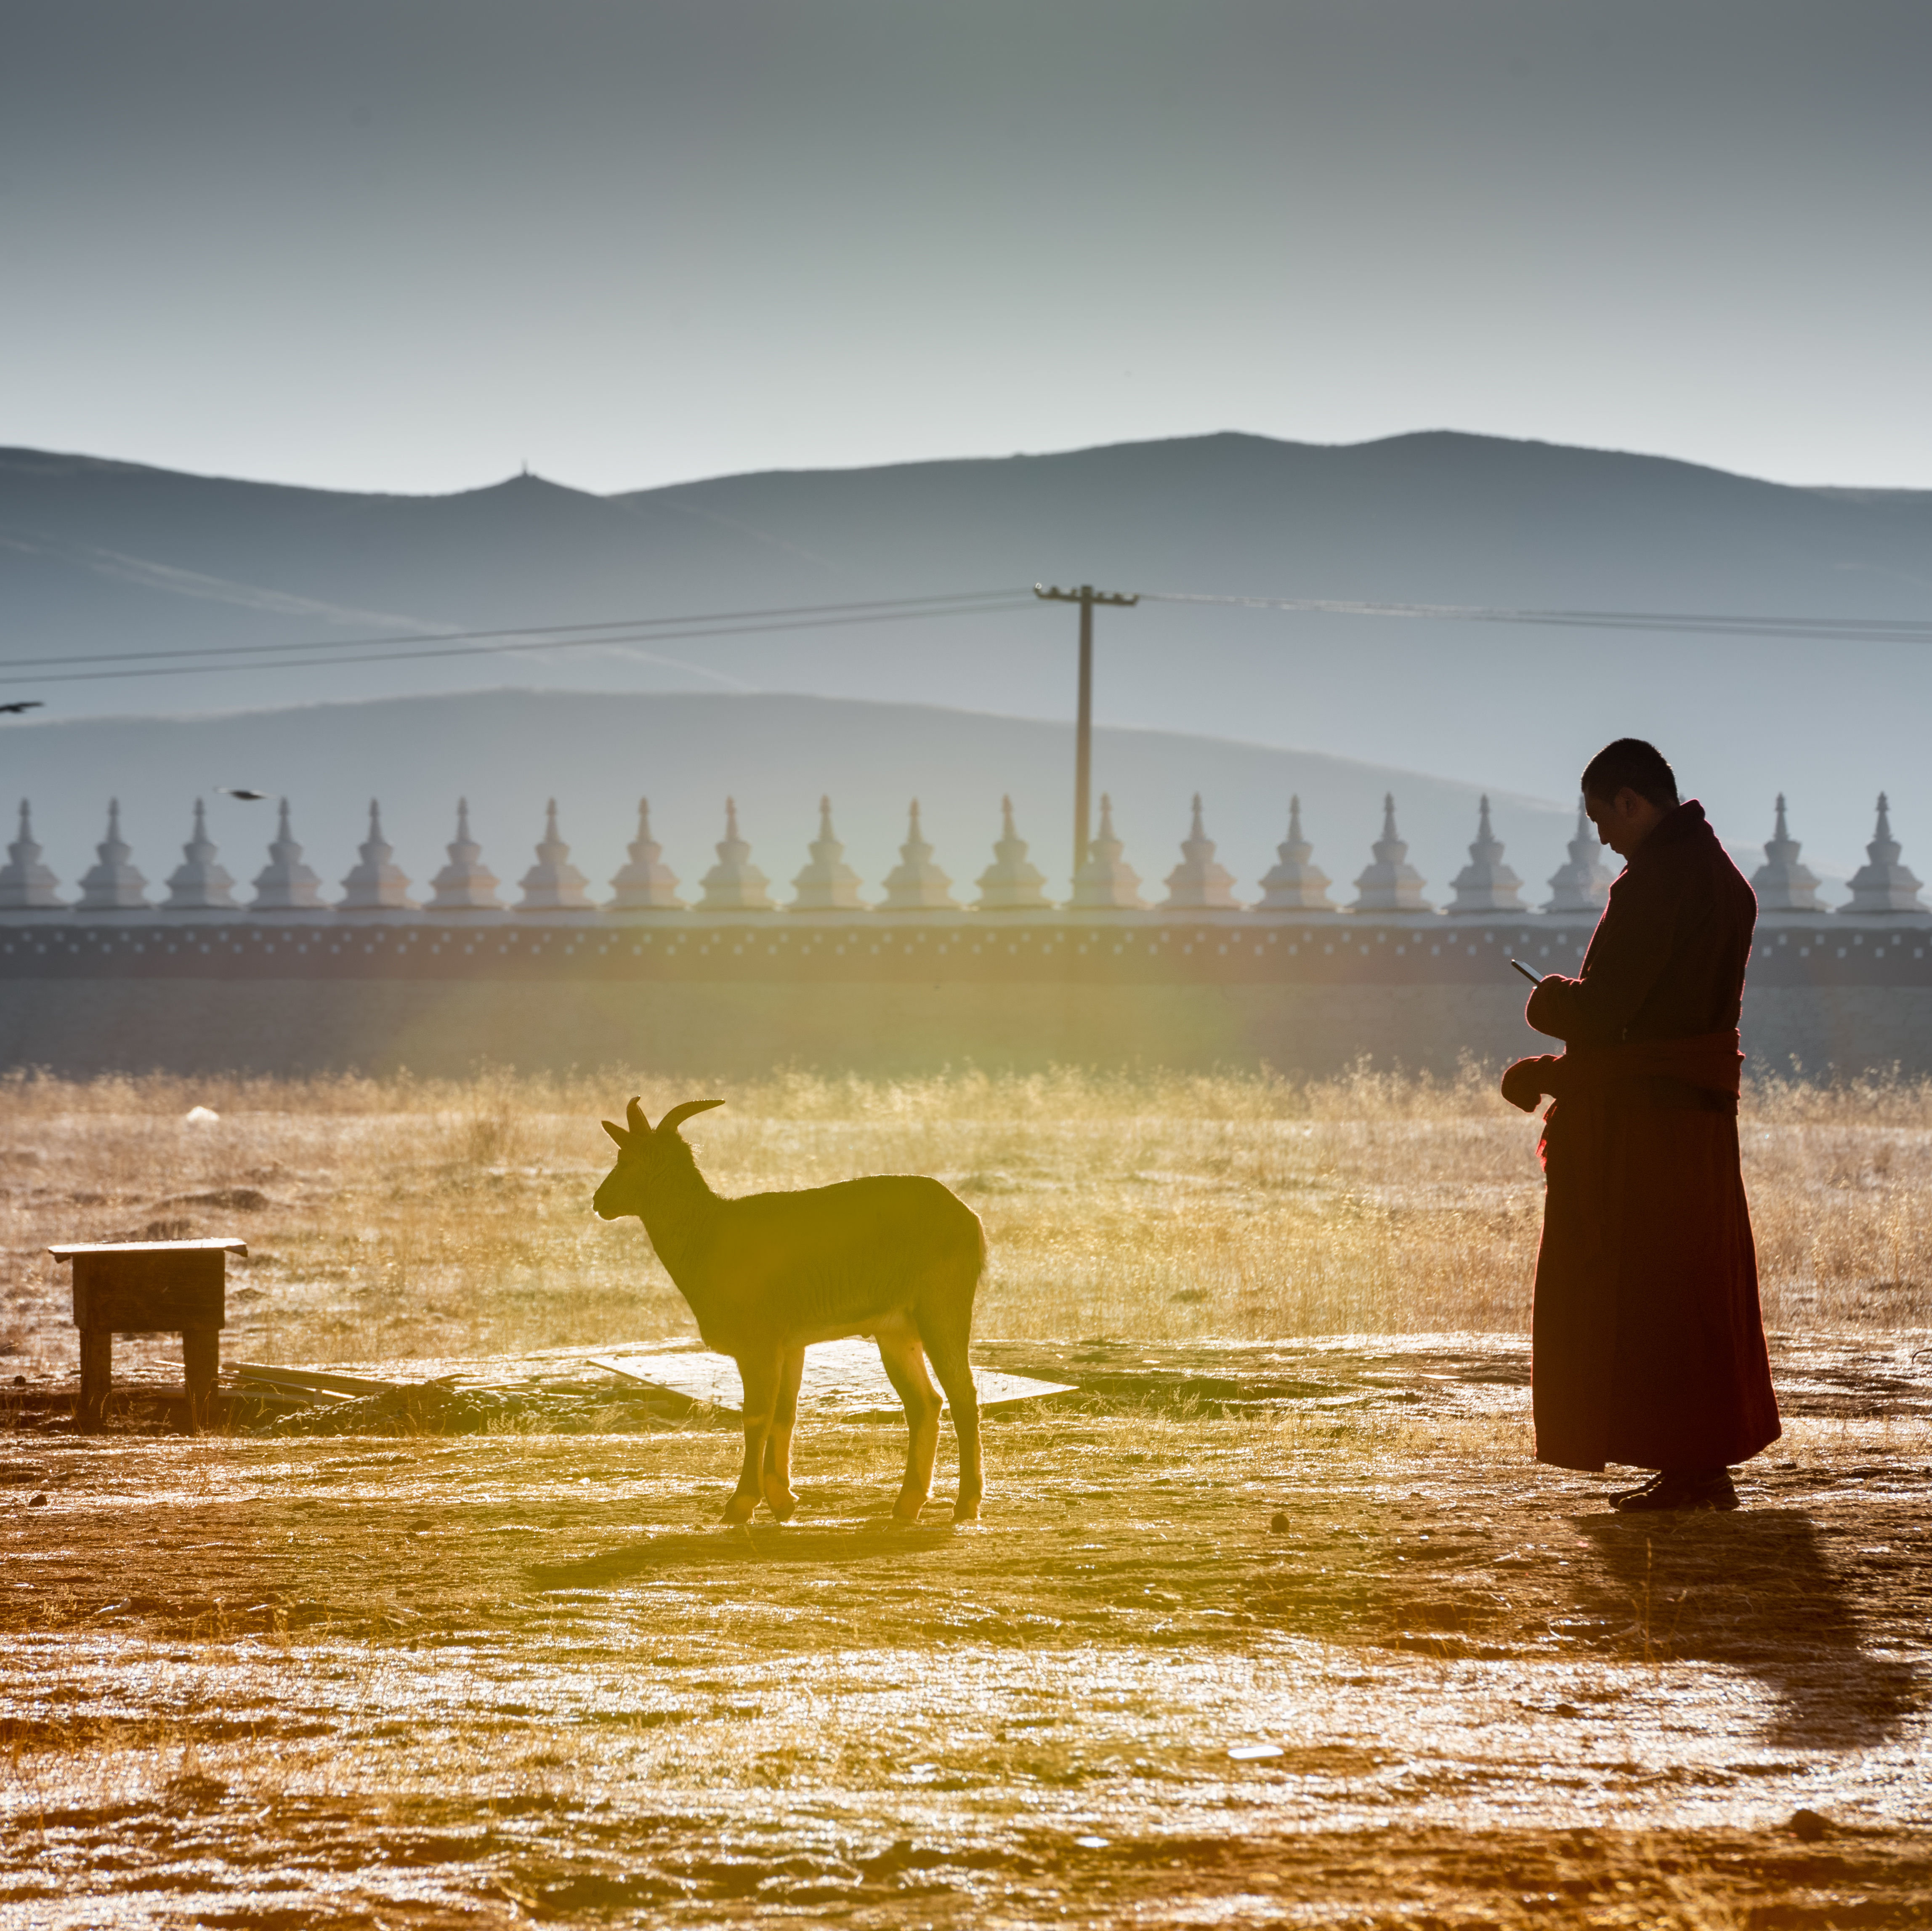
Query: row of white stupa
point(376, 885)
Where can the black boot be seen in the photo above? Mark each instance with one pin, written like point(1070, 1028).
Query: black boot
point(1617, 1497)
point(1685, 1488)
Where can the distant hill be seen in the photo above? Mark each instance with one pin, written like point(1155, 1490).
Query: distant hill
point(100, 557)
point(508, 751)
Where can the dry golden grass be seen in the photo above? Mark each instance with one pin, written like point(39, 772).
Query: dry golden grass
point(400, 1217)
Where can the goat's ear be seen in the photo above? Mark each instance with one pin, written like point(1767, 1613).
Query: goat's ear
point(634, 1114)
point(676, 1117)
point(617, 1133)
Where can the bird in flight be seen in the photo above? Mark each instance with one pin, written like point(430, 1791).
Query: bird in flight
point(240, 792)
point(20, 704)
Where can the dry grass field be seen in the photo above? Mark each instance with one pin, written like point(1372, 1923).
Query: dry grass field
point(1276, 1624)
point(398, 1218)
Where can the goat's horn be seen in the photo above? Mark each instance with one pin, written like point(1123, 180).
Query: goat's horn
point(634, 1114)
point(676, 1118)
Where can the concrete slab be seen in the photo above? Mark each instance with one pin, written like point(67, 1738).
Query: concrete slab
point(843, 1377)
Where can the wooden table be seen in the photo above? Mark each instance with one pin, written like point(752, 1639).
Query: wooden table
point(145, 1287)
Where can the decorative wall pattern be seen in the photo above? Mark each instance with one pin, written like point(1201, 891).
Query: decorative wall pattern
point(465, 889)
point(902, 977)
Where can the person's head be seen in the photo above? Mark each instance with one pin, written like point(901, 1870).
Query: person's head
point(1628, 787)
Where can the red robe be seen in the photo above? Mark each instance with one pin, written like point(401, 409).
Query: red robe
point(1649, 1340)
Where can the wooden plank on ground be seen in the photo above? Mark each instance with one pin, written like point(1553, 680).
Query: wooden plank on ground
point(551, 1370)
point(309, 1380)
point(840, 1377)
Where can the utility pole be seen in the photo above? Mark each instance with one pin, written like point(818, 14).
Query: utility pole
point(1086, 596)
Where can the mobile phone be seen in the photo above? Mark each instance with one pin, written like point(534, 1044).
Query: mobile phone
point(1535, 978)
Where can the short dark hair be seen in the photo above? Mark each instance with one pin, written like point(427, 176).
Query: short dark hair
point(1631, 762)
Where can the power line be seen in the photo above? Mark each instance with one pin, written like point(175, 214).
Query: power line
point(633, 629)
point(1845, 629)
point(538, 644)
point(325, 653)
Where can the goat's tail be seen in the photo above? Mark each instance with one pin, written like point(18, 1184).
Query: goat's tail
point(944, 1305)
point(973, 1263)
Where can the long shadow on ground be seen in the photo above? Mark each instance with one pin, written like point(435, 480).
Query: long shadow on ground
point(1755, 1590)
point(761, 1543)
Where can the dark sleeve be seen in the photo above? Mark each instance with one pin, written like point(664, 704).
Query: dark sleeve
point(1629, 953)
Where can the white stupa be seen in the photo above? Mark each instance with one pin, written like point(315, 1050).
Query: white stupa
point(199, 883)
point(375, 884)
point(112, 884)
point(734, 884)
point(1390, 884)
point(553, 884)
point(1882, 883)
point(25, 884)
point(1292, 884)
point(827, 884)
point(1012, 882)
point(1781, 883)
point(1199, 883)
point(466, 883)
point(915, 884)
point(646, 884)
point(1584, 883)
point(1485, 884)
point(285, 883)
point(1104, 882)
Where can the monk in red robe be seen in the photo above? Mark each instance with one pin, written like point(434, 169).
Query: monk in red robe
point(1649, 1343)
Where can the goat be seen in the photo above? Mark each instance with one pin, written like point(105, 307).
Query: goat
point(895, 1256)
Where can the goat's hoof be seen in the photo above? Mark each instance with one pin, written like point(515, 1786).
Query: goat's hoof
point(905, 1511)
point(740, 1509)
point(964, 1511)
point(784, 1505)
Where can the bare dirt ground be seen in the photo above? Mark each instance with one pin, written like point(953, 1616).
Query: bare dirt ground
point(421, 1678)
point(1294, 1635)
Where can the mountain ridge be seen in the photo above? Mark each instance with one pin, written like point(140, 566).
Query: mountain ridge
point(22, 455)
point(99, 556)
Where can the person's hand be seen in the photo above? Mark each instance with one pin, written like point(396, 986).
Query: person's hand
point(1544, 1012)
point(1522, 1085)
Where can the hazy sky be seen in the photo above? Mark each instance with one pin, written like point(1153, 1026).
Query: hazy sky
point(410, 244)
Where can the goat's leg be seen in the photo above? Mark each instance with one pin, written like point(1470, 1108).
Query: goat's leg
point(759, 1373)
point(946, 1335)
point(777, 1444)
point(904, 1362)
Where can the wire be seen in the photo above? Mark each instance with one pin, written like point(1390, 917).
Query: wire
point(641, 626)
point(1856, 629)
point(539, 642)
point(350, 652)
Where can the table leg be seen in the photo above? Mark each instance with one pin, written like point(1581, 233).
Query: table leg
point(201, 1360)
point(97, 1376)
